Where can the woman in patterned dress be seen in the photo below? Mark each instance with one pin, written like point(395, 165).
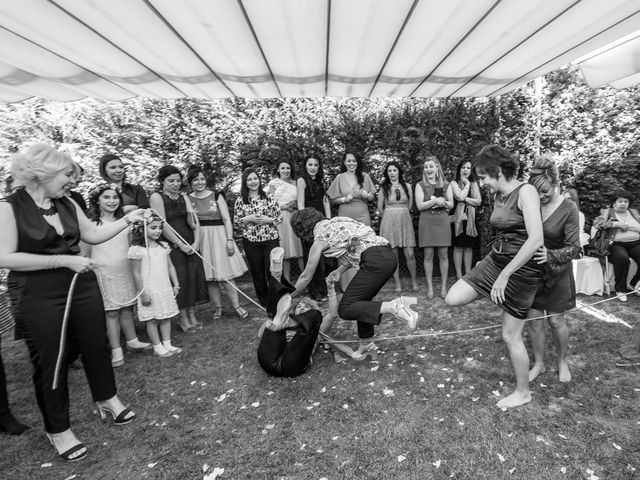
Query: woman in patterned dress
point(257, 215)
point(394, 203)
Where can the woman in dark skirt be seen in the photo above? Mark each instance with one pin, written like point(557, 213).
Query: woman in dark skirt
point(466, 200)
point(175, 208)
point(508, 275)
point(560, 224)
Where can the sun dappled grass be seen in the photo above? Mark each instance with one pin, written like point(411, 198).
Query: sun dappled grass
point(425, 409)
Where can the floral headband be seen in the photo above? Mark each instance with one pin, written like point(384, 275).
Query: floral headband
point(102, 187)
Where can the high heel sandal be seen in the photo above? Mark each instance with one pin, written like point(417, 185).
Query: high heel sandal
point(369, 350)
point(120, 419)
point(217, 314)
point(66, 455)
point(241, 312)
point(404, 312)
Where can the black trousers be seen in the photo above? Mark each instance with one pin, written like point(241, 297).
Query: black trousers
point(620, 254)
point(38, 299)
point(258, 258)
point(4, 397)
point(278, 357)
point(377, 265)
point(317, 286)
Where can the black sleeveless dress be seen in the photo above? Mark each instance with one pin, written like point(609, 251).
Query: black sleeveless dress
point(508, 221)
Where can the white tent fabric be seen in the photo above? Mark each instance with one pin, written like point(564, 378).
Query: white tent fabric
point(618, 66)
point(118, 49)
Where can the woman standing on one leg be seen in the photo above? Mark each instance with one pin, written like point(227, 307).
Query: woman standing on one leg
point(561, 229)
point(353, 245)
point(509, 275)
point(257, 215)
point(311, 194)
point(175, 208)
point(434, 200)
point(394, 203)
point(216, 230)
point(466, 198)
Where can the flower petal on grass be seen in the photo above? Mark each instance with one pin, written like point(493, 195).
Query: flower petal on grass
point(152, 464)
point(388, 392)
point(501, 458)
point(46, 465)
point(215, 474)
point(496, 393)
point(562, 436)
point(401, 458)
point(255, 404)
point(221, 397)
point(373, 369)
point(436, 464)
point(563, 469)
point(542, 440)
point(616, 446)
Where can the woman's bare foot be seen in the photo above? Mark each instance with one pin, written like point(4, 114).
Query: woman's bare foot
point(67, 445)
point(515, 400)
point(563, 372)
point(429, 293)
point(536, 370)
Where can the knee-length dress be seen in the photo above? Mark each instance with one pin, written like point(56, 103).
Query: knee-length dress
point(396, 225)
point(154, 270)
point(284, 193)
point(193, 286)
point(561, 229)
point(357, 209)
point(508, 221)
point(433, 228)
point(213, 241)
point(114, 274)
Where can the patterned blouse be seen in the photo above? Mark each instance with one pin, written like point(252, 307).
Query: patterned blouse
point(347, 239)
point(258, 206)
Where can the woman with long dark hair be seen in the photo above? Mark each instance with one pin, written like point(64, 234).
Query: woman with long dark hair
point(113, 170)
point(466, 199)
point(352, 189)
point(312, 194)
point(394, 203)
point(257, 215)
point(509, 275)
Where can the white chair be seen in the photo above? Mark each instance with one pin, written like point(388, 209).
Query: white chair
point(587, 274)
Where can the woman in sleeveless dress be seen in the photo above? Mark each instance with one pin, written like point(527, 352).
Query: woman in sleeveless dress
point(466, 200)
point(312, 194)
point(434, 200)
point(394, 203)
point(560, 225)
point(284, 191)
point(172, 206)
point(216, 230)
point(41, 229)
point(509, 275)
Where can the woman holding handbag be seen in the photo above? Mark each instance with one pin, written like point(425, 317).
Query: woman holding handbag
point(176, 209)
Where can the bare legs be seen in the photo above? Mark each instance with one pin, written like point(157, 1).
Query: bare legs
point(512, 336)
point(411, 266)
point(232, 294)
point(561, 339)
point(346, 278)
point(117, 321)
point(460, 255)
point(462, 293)
point(443, 261)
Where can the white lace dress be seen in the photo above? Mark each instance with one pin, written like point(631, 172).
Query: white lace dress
point(155, 277)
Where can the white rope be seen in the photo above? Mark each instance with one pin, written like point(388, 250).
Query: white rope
point(63, 331)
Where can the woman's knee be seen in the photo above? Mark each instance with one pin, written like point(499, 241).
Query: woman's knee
point(409, 255)
point(557, 322)
point(428, 254)
point(443, 253)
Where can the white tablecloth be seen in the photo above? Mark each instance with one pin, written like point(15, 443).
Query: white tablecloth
point(587, 274)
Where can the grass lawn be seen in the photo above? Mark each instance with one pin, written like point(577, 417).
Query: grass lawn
point(425, 409)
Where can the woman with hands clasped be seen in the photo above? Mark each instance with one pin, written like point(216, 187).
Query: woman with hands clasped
point(466, 199)
point(41, 229)
point(508, 275)
point(434, 200)
point(175, 208)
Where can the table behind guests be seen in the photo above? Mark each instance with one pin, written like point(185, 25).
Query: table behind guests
point(175, 208)
point(39, 244)
point(257, 216)
point(113, 170)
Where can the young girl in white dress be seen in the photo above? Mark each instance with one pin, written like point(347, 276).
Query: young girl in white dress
point(114, 275)
point(156, 276)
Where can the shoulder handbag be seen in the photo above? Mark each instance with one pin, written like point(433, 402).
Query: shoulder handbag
point(600, 243)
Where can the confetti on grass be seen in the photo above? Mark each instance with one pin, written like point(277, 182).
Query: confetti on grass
point(501, 458)
point(401, 458)
point(215, 474)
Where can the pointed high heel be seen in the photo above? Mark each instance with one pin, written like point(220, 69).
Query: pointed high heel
point(404, 312)
point(120, 419)
point(67, 454)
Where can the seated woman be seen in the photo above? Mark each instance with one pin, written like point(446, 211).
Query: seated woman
point(353, 245)
point(277, 355)
point(625, 225)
